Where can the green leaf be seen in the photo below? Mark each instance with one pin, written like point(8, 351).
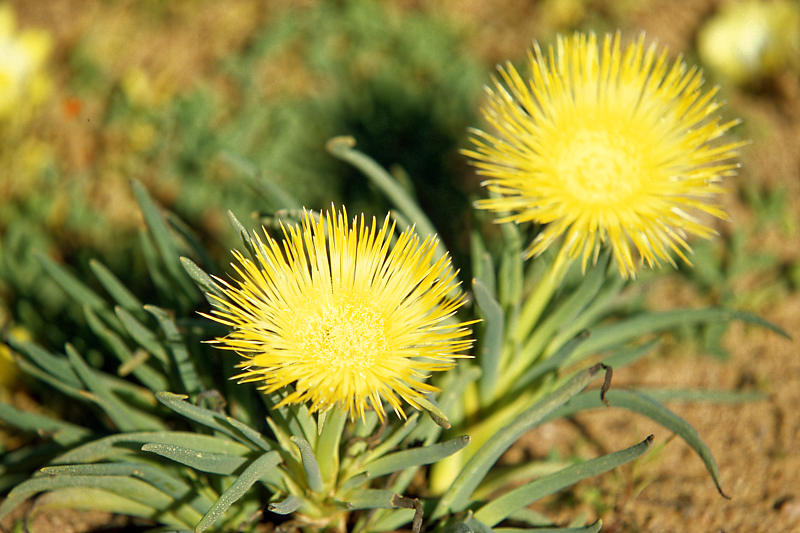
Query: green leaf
point(76, 289)
point(530, 517)
point(568, 310)
point(370, 499)
point(291, 504)
point(190, 238)
point(121, 444)
point(154, 268)
point(72, 392)
point(162, 238)
point(491, 341)
point(500, 477)
point(310, 464)
point(458, 495)
point(392, 520)
point(469, 526)
point(626, 356)
point(115, 288)
point(482, 264)
point(300, 419)
point(433, 410)
point(249, 434)
point(132, 395)
point(642, 404)
point(591, 528)
point(700, 395)
point(94, 499)
point(608, 336)
point(143, 335)
point(603, 305)
point(414, 457)
point(458, 527)
point(145, 374)
point(54, 365)
point(355, 481)
point(250, 244)
point(343, 148)
point(270, 190)
point(217, 421)
point(203, 280)
point(214, 463)
point(127, 487)
point(391, 442)
point(500, 508)
point(254, 471)
point(124, 417)
point(153, 475)
point(450, 399)
point(510, 271)
point(328, 444)
point(42, 425)
point(22, 461)
point(554, 362)
point(180, 355)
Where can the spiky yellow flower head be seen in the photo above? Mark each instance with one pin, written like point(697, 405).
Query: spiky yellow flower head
point(604, 145)
point(344, 316)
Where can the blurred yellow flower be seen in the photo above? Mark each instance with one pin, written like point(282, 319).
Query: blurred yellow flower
point(748, 41)
point(144, 90)
point(22, 56)
point(343, 315)
point(9, 371)
point(604, 145)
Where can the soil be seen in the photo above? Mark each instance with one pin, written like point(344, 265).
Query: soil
point(669, 489)
point(756, 445)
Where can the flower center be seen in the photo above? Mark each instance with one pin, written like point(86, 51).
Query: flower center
point(345, 336)
point(599, 166)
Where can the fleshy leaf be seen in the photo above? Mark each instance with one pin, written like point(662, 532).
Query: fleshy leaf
point(415, 457)
point(457, 496)
point(214, 463)
point(642, 404)
point(257, 469)
point(310, 464)
point(498, 509)
point(492, 339)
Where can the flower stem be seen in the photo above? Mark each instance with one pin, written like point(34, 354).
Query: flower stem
point(539, 298)
point(516, 361)
point(445, 471)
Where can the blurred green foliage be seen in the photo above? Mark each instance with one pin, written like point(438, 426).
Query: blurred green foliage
point(400, 82)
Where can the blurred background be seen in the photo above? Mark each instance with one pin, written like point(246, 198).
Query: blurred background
point(211, 104)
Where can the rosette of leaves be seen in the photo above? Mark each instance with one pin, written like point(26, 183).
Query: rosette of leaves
point(207, 455)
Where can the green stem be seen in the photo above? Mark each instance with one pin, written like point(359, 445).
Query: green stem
point(539, 298)
point(515, 362)
point(473, 472)
point(445, 471)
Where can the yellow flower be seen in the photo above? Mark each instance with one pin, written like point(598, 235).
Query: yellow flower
point(21, 60)
point(748, 41)
point(349, 319)
point(9, 371)
point(604, 145)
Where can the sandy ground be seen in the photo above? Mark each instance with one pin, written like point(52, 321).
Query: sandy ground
point(669, 490)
